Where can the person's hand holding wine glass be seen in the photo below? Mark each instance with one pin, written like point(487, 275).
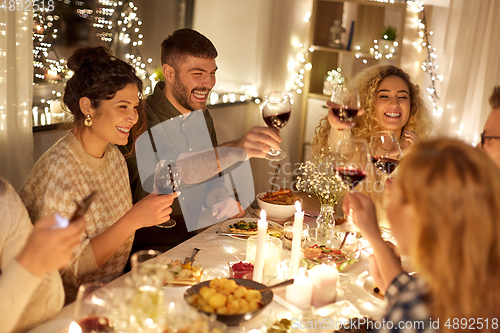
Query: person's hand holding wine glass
point(385, 151)
point(167, 180)
point(276, 110)
point(344, 107)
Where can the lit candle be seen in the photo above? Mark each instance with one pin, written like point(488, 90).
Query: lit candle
point(297, 238)
point(260, 250)
point(300, 292)
point(324, 279)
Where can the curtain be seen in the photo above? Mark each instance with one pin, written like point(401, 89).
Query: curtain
point(16, 86)
point(471, 67)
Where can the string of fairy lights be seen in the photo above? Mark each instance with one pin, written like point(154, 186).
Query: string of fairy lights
point(380, 49)
point(429, 65)
point(118, 24)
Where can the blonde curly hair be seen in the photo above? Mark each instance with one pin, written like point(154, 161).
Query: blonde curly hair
point(367, 83)
point(455, 233)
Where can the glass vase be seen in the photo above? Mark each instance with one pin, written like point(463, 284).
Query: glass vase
point(325, 218)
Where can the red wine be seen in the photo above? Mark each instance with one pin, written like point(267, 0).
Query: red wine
point(278, 121)
point(95, 325)
point(345, 114)
point(385, 164)
point(351, 176)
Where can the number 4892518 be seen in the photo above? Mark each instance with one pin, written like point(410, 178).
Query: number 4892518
point(472, 323)
point(26, 5)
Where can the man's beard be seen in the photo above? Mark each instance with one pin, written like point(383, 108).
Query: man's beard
point(183, 96)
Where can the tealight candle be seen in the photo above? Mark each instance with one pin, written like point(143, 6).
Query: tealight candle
point(324, 280)
point(300, 292)
point(297, 238)
point(260, 250)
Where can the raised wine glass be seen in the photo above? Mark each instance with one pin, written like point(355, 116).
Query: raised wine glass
point(276, 110)
point(167, 180)
point(346, 105)
point(385, 151)
point(352, 163)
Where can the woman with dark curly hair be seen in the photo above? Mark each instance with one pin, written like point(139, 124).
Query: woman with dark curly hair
point(103, 96)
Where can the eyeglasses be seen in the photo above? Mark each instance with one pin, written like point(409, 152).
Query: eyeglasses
point(484, 137)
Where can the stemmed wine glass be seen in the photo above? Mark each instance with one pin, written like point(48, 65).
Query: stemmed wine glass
point(167, 180)
point(346, 106)
point(385, 151)
point(93, 308)
point(352, 163)
point(276, 110)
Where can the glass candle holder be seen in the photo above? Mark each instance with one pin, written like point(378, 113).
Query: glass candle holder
point(272, 254)
point(288, 234)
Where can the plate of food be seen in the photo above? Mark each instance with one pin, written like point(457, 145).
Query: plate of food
point(232, 300)
point(248, 227)
point(372, 289)
point(179, 274)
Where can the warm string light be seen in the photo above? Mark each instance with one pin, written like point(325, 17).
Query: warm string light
point(429, 65)
point(114, 17)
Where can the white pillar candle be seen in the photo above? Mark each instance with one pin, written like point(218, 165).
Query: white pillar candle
point(300, 292)
point(260, 250)
point(297, 238)
point(324, 279)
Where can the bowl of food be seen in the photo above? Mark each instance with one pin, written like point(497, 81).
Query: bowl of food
point(278, 204)
point(241, 270)
point(232, 300)
point(322, 246)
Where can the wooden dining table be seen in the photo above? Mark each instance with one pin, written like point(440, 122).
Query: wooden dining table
point(217, 251)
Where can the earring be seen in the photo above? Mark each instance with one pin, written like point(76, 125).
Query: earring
point(88, 120)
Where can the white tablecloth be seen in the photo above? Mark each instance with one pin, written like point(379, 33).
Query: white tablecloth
point(216, 252)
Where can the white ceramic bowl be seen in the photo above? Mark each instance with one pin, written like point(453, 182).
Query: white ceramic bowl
point(276, 211)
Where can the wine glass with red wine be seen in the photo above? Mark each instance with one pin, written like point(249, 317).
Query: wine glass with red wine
point(352, 163)
point(93, 308)
point(276, 111)
point(167, 180)
point(385, 151)
point(346, 104)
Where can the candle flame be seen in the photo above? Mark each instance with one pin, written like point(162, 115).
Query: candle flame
point(74, 328)
point(263, 215)
point(298, 207)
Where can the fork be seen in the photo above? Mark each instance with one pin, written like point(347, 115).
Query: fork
point(191, 259)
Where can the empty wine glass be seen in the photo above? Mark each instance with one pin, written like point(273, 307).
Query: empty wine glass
point(93, 308)
point(149, 267)
point(167, 180)
point(352, 164)
point(276, 110)
point(346, 105)
point(385, 151)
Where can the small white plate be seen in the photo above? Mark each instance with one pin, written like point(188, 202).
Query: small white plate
point(369, 286)
point(225, 226)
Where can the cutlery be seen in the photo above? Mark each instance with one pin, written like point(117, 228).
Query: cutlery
point(252, 211)
point(343, 241)
point(231, 234)
point(309, 215)
point(191, 259)
point(281, 284)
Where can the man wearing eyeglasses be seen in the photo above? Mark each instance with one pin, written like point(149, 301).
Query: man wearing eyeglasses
point(490, 138)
